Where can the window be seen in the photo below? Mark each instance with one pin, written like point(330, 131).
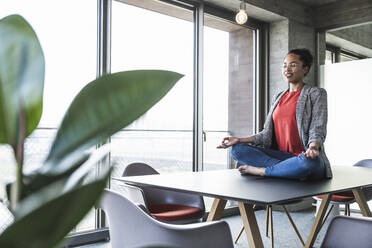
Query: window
point(146, 35)
point(70, 57)
point(329, 57)
point(163, 136)
point(228, 94)
point(339, 55)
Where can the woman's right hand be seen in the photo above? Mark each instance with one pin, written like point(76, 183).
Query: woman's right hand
point(228, 141)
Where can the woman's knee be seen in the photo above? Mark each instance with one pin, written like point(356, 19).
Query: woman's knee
point(235, 150)
point(239, 149)
point(310, 166)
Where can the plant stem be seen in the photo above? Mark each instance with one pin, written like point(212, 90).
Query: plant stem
point(17, 187)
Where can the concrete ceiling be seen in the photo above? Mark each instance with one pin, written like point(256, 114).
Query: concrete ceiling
point(274, 10)
point(234, 4)
point(316, 3)
point(253, 11)
point(342, 15)
point(320, 14)
point(356, 39)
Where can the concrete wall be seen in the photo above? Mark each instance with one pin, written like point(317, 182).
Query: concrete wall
point(278, 48)
point(241, 83)
point(284, 36)
point(301, 36)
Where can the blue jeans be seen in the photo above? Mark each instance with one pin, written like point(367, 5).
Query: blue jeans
point(279, 164)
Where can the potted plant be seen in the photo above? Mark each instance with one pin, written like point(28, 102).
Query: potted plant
point(52, 200)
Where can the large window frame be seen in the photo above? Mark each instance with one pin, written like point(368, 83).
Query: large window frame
point(199, 10)
point(337, 52)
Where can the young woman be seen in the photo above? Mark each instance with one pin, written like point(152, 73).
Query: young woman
point(291, 143)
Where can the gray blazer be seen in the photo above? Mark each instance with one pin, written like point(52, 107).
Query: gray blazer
point(311, 116)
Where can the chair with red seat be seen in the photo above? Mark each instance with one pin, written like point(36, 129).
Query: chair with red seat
point(164, 205)
point(131, 227)
point(347, 197)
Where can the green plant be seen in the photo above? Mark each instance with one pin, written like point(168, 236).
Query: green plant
point(48, 203)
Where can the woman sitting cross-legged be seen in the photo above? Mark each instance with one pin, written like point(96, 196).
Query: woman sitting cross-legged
point(291, 143)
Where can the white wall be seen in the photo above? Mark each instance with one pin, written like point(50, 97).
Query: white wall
point(349, 87)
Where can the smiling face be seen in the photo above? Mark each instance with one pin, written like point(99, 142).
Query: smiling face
point(293, 69)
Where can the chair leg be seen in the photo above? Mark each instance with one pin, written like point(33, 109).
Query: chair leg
point(294, 225)
point(326, 216)
point(347, 206)
point(271, 227)
point(240, 234)
point(345, 210)
point(267, 220)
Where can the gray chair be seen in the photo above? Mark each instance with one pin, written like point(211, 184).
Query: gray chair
point(164, 205)
point(347, 197)
point(130, 226)
point(346, 232)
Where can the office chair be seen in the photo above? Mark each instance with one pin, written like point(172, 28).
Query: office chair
point(346, 231)
point(130, 226)
point(346, 198)
point(164, 205)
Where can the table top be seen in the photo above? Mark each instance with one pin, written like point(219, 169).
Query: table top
point(229, 184)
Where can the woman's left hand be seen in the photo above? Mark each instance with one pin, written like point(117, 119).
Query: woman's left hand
point(312, 152)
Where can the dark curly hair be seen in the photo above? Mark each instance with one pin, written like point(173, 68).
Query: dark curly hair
point(305, 56)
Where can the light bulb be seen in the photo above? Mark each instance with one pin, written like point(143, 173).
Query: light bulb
point(241, 17)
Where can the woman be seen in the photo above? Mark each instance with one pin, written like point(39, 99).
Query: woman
point(291, 143)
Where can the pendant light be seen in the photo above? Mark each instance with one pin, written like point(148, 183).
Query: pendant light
point(242, 17)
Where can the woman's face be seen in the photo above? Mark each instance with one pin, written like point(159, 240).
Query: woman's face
point(293, 69)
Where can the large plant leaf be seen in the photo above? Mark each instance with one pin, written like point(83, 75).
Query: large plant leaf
point(48, 224)
point(104, 107)
point(80, 166)
point(21, 78)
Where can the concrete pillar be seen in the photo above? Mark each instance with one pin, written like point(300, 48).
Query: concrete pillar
point(278, 48)
point(284, 36)
point(241, 120)
point(302, 36)
point(321, 51)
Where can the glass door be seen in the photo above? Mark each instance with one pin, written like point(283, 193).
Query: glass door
point(228, 93)
point(148, 37)
point(70, 63)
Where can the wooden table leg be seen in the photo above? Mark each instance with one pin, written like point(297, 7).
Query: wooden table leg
point(361, 200)
point(250, 225)
point(217, 208)
point(318, 221)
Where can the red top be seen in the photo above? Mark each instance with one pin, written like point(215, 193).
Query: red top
point(285, 124)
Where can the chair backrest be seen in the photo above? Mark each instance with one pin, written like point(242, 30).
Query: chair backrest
point(155, 196)
point(346, 232)
point(366, 190)
point(131, 227)
point(364, 163)
point(133, 193)
point(139, 169)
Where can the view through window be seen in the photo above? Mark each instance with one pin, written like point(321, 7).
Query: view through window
point(69, 45)
point(163, 136)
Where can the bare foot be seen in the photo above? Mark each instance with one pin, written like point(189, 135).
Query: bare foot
point(249, 169)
